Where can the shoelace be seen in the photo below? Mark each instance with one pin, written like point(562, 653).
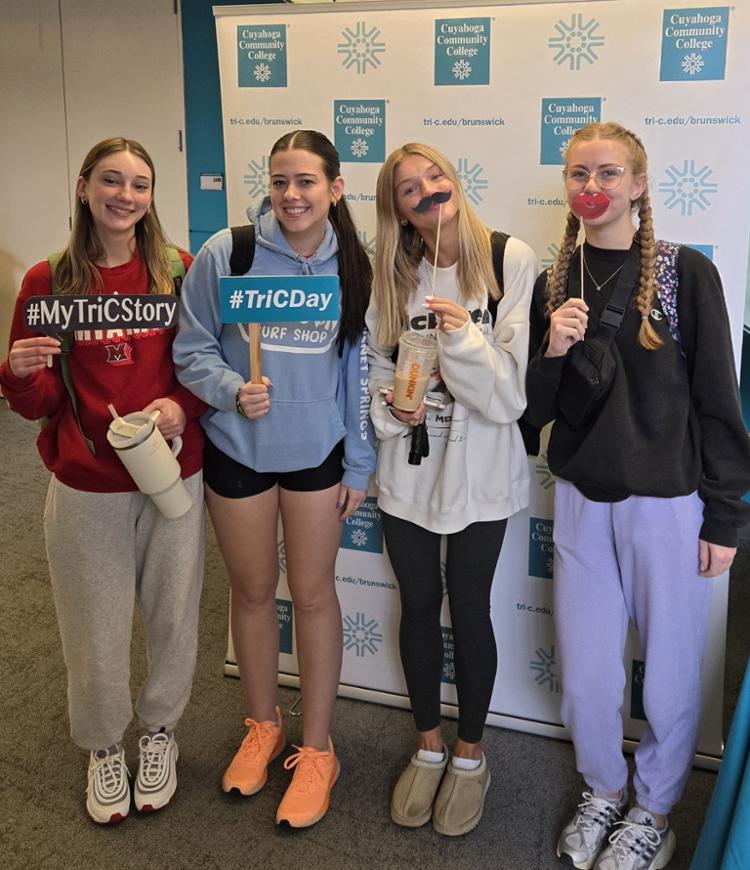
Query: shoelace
point(595, 811)
point(108, 771)
point(253, 744)
point(634, 838)
point(306, 761)
point(153, 756)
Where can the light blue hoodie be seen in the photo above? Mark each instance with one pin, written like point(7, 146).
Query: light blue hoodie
point(317, 397)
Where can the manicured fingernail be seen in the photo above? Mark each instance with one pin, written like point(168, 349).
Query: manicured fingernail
point(338, 507)
point(430, 298)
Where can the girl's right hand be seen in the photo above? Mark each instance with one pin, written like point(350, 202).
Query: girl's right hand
point(411, 418)
point(255, 399)
point(29, 355)
point(567, 326)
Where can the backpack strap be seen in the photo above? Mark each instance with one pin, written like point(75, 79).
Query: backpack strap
point(66, 344)
point(498, 240)
point(666, 285)
point(243, 249)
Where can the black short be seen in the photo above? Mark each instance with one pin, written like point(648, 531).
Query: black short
point(232, 479)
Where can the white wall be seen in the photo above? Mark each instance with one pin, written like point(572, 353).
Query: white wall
point(74, 72)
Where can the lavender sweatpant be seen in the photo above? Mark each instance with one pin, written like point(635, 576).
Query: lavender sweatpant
point(635, 559)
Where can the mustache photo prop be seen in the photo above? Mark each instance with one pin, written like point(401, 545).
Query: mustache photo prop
point(437, 198)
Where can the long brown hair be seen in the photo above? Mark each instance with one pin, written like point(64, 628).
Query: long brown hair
point(400, 248)
point(75, 272)
point(355, 269)
point(558, 276)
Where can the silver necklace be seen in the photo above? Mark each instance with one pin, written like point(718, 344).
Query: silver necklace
point(594, 281)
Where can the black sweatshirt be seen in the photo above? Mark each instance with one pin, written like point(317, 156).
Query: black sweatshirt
point(671, 424)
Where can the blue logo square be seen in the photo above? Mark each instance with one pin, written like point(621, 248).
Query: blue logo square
point(694, 44)
point(561, 117)
point(363, 530)
point(636, 690)
point(359, 130)
point(541, 548)
point(449, 663)
point(462, 51)
point(261, 56)
point(285, 617)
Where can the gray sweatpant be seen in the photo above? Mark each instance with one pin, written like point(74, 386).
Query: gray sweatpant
point(634, 559)
point(106, 550)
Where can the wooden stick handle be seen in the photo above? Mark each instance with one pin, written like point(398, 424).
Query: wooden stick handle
point(253, 334)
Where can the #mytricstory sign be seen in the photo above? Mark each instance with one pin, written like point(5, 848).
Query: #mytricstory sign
point(266, 299)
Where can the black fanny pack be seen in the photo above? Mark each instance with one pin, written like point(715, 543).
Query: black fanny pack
point(589, 370)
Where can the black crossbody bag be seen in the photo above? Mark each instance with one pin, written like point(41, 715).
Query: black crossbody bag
point(589, 370)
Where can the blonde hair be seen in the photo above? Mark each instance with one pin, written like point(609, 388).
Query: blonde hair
point(400, 249)
point(558, 276)
point(75, 272)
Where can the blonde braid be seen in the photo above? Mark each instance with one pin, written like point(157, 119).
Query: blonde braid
point(557, 281)
point(644, 301)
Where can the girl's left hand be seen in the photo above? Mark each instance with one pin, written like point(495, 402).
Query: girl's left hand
point(349, 500)
point(450, 315)
point(171, 421)
point(713, 559)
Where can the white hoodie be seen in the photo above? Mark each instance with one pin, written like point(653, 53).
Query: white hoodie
point(477, 468)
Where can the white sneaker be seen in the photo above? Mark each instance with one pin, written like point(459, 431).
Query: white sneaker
point(108, 790)
point(583, 837)
point(638, 844)
point(156, 782)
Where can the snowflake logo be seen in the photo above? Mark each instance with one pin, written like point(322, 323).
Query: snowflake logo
point(688, 187)
point(282, 555)
point(576, 41)
point(564, 146)
point(692, 63)
point(550, 565)
point(552, 252)
point(546, 477)
point(449, 671)
point(473, 184)
point(359, 537)
point(461, 70)
point(359, 148)
point(262, 72)
point(361, 48)
point(258, 179)
point(361, 634)
point(544, 665)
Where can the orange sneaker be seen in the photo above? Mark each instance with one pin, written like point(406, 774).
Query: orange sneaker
point(248, 771)
point(306, 799)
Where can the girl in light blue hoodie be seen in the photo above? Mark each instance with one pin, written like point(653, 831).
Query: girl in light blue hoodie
point(299, 444)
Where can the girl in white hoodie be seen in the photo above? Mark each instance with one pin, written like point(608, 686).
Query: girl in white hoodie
point(476, 473)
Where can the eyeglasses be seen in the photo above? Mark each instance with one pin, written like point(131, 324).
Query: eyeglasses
point(606, 178)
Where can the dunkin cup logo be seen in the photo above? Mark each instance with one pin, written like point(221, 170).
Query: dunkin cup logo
point(414, 370)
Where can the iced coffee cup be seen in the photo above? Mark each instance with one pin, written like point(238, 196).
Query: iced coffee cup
point(417, 354)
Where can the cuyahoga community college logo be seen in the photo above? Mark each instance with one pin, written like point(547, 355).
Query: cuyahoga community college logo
point(360, 47)
point(694, 44)
point(688, 187)
point(359, 130)
point(363, 530)
point(543, 666)
point(261, 56)
point(285, 617)
point(576, 41)
point(462, 51)
point(541, 548)
point(361, 634)
point(561, 117)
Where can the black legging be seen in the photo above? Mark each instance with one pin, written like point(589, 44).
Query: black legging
point(471, 560)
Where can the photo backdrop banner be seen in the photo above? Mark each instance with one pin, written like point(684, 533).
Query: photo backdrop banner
point(499, 88)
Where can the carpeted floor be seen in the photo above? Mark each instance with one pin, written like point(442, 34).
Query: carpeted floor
point(43, 825)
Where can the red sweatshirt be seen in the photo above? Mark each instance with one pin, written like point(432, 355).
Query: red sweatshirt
point(128, 368)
